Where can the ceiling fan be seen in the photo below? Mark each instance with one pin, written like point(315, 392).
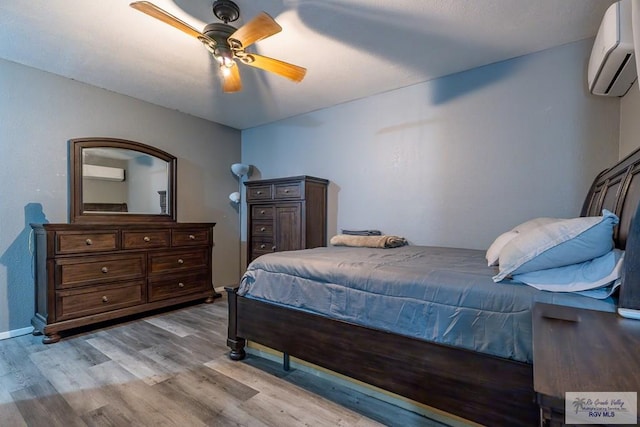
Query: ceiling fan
point(227, 44)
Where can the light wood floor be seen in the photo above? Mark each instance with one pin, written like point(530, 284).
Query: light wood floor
point(171, 369)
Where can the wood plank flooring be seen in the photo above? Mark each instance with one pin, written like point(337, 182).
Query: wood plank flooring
point(171, 369)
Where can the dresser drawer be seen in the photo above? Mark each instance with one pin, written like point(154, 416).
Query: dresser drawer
point(288, 191)
point(84, 242)
point(261, 192)
point(165, 288)
point(164, 262)
point(189, 237)
point(87, 270)
point(262, 228)
point(98, 299)
point(146, 239)
point(261, 212)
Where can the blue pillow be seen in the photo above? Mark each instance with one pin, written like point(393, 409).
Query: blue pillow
point(583, 276)
point(557, 244)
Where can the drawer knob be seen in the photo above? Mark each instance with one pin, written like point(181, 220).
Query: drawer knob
point(262, 212)
point(180, 261)
point(286, 190)
point(262, 246)
point(181, 285)
point(105, 299)
point(104, 269)
point(89, 242)
point(192, 237)
point(146, 238)
point(258, 192)
point(262, 229)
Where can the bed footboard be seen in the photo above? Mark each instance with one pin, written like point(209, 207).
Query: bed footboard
point(479, 387)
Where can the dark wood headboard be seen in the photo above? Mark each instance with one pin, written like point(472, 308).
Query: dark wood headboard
point(105, 207)
point(617, 189)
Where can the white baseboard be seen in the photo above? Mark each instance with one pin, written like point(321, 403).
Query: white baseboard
point(15, 333)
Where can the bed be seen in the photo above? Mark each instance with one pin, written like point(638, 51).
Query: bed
point(295, 302)
point(105, 207)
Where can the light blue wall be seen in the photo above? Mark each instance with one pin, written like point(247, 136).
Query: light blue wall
point(40, 112)
point(457, 160)
point(629, 123)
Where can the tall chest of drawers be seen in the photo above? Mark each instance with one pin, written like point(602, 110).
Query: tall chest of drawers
point(286, 214)
point(90, 273)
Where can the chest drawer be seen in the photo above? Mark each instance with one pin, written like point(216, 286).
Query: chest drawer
point(87, 270)
point(261, 247)
point(261, 212)
point(86, 242)
point(262, 228)
point(146, 239)
point(166, 262)
point(98, 299)
point(259, 192)
point(288, 191)
point(164, 288)
point(189, 237)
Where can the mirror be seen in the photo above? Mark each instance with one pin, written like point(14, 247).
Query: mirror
point(115, 180)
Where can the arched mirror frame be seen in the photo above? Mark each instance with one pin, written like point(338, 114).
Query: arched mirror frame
point(77, 214)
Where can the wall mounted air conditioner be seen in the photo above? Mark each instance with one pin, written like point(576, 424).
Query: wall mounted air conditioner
point(612, 65)
point(102, 172)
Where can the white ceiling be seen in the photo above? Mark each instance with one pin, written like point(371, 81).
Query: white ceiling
point(351, 48)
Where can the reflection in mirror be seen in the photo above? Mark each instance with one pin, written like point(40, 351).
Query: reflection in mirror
point(115, 180)
point(120, 180)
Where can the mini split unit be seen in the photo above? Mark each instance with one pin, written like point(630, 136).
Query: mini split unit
point(102, 172)
point(612, 65)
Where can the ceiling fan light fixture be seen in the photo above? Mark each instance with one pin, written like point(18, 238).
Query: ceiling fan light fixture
point(225, 67)
point(222, 54)
point(221, 50)
point(226, 43)
point(225, 61)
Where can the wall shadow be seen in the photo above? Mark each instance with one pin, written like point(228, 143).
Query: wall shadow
point(19, 261)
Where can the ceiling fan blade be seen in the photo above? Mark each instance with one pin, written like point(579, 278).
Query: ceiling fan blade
point(276, 66)
point(164, 16)
point(231, 79)
point(260, 27)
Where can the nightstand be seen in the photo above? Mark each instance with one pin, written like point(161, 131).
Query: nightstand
point(578, 350)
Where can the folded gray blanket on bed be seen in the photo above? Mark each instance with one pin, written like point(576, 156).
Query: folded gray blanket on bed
point(368, 241)
point(362, 232)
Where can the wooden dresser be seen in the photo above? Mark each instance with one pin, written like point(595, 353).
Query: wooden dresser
point(286, 214)
point(89, 273)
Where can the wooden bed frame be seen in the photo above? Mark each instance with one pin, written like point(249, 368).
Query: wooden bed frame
point(486, 389)
point(105, 207)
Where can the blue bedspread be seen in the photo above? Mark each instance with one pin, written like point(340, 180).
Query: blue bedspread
point(445, 295)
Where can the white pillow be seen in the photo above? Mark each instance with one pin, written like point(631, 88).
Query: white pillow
point(534, 223)
point(493, 253)
point(557, 244)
